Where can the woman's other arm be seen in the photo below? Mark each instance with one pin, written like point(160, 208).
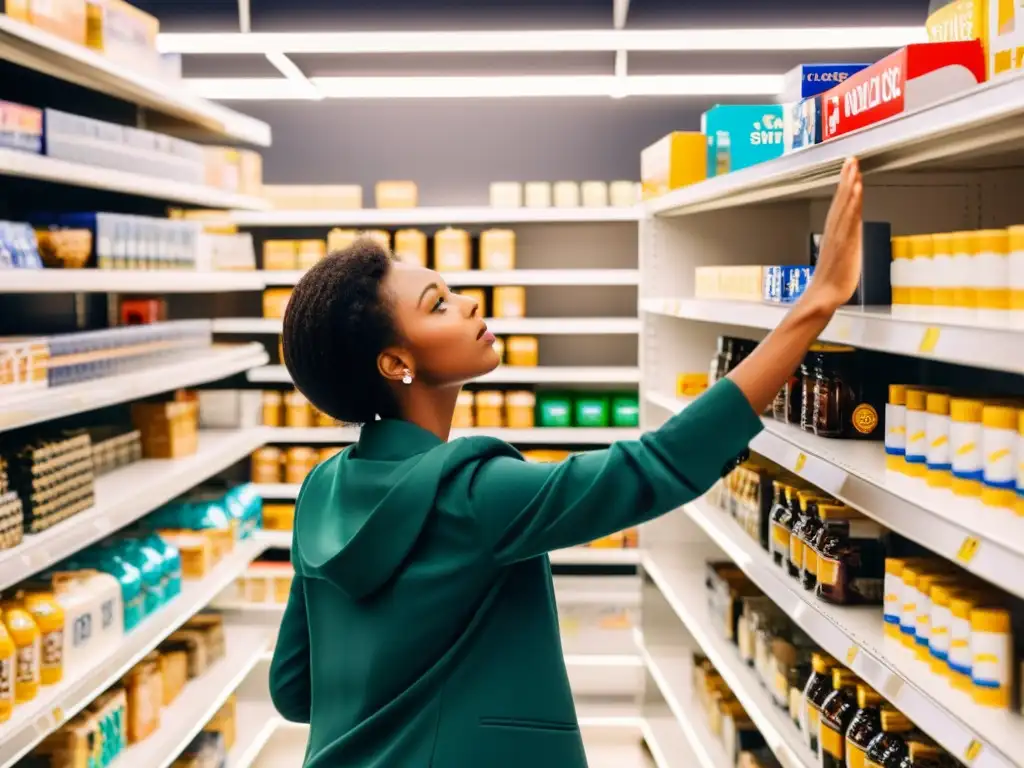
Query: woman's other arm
point(290, 684)
point(524, 510)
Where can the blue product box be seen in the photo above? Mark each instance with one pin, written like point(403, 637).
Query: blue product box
point(21, 128)
point(739, 136)
point(813, 79)
point(786, 284)
point(802, 123)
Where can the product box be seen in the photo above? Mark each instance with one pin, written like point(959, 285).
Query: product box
point(64, 18)
point(736, 283)
point(396, 194)
point(874, 288)
point(739, 136)
point(811, 79)
point(801, 126)
point(908, 79)
point(21, 127)
point(785, 284)
point(123, 34)
point(677, 160)
point(288, 197)
point(951, 20)
point(1005, 36)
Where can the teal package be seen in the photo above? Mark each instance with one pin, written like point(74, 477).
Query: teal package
point(739, 136)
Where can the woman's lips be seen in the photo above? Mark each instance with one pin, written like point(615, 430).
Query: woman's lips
point(487, 337)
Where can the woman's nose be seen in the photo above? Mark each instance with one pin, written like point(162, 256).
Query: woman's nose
point(473, 306)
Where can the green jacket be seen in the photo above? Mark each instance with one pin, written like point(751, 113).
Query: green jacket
point(421, 628)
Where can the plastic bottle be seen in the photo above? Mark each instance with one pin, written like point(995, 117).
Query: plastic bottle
point(992, 274)
point(8, 659)
point(917, 433)
point(896, 428)
point(49, 617)
point(999, 449)
point(965, 296)
point(937, 426)
point(991, 657)
point(25, 634)
point(965, 437)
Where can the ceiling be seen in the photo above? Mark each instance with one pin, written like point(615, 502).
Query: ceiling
point(337, 15)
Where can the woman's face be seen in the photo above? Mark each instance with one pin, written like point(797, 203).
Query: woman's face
point(442, 337)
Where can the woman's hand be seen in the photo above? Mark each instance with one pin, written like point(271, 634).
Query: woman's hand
point(839, 261)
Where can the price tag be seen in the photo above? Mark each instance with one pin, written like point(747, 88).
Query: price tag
point(801, 462)
point(968, 550)
point(58, 715)
point(929, 341)
point(843, 331)
point(851, 654)
point(972, 751)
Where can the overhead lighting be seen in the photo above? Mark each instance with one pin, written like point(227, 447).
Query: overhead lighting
point(295, 75)
point(542, 86)
point(551, 41)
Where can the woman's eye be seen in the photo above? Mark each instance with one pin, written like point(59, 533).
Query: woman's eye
point(440, 305)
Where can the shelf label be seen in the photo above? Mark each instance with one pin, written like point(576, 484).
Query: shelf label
point(968, 550)
point(801, 462)
point(851, 654)
point(929, 341)
point(972, 751)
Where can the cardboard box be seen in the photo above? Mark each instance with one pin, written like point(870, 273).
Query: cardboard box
point(739, 136)
point(314, 197)
point(124, 34)
point(396, 194)
point(953, 20)
point(735, 283)
point(21, 127)
point(63, 18)
point(250, 172)
point(1005, 36)
point(675, 161)
point(801, 126)
point(808, 80)
point(908, 79)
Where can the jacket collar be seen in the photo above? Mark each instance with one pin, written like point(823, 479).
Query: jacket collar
point(394, 440)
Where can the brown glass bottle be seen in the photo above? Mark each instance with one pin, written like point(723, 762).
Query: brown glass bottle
point(836, 713)
point(865, 725)
point(782, 525)
point(806, 506)
point(818, 688)
point(851, 557)
point(890, 746)
point(808, 532)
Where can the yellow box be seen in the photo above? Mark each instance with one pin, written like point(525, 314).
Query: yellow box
point(490, 409)
point(288, 197)
point(278, 517)
point(510, 301)
point(951, 20)
point(309, 252)
point(522, 351)
point(378, 235)
point(1005, 37)
point(691, 384)
point(737, 283)
point(251, 166)
point(411, 247)
point(274, 302)
point(519, 408)
point(677, 160)
point(64, 18)
point(223, 168)
point(478, 295)
point(396, 194)
point(340, 239)
point(498, 249)
point(123, 33)
point(280, 254)
point(451, 250)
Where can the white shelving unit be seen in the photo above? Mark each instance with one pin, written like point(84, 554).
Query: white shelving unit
point(36, 49)
point(437, 216)
point(942, 168)
point(119, 502)
point(31, 722)
point(534, 326)
point(506, 374)
point(485, 278)
point(203, 366)
point(126, 281)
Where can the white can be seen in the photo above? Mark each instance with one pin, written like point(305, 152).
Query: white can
point(965, 437)
point(991, 273)
point(896, 428)
point(999, 451)
point(917, 433)
point(937, 425)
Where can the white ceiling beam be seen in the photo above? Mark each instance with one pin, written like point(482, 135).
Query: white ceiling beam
point(553, 41)
point(543, 86)
point(620, 11)
point(295, 76)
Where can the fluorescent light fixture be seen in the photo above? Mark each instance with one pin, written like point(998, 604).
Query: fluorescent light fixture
point(295, 75)
point(542, 86)
point(552, 41)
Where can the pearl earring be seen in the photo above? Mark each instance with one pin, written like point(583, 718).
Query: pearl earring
point(407, 379)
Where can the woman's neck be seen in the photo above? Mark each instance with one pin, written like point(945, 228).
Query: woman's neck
point(429, 408)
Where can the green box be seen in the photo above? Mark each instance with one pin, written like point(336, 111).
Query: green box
point(592, 411)
point(554, 410)
point(626, 410)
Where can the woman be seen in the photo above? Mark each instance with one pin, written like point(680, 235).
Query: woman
point(421, 628)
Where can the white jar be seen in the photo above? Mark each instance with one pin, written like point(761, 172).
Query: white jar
point(937, 425)
point(965, 296)
point(940, 625)
point(622, 194)
point(506, 194)
point(992, 274)
point(917, 433)
point(965, 437)
point(1016, 277)
point(537, 194)
point(595, 194)
point(944, 271)
point(922, 275)
point(999, 451)
point(567, 194)
point(991, 657)
point(899, 272)
point(896, 428)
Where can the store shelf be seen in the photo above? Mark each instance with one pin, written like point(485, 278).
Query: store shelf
point(484, 278)
point(538, 326)
point(672, 674)
point(278, 491)
point(439, 216)
point(31, 722)
point(257, 722)
point(218, 362)
point(199, 701)
point(535, 436)
point(29, 166)
point(987, 541)
point(35, 49)
point(506, 374)
point(312, 435)
point(681, 579)
point(126, 281)
point(665, 740)
point(119, 502)
point(947, 134)
point(981, 345)
point(856, 636)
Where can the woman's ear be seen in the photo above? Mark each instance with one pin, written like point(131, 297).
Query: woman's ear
point(392, 366)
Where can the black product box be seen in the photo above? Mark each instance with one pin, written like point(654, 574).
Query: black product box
point(874, 288)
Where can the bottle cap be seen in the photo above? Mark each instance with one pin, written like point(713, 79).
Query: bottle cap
point(867, 696)
point(943, 242)
point(999, 417)
point(964, 410)
point(894, 721)
point(900, 247)
point(897, 394)
point(963, 242)
point(843, 678)
point(1016, 236)
point(921, 246)
point(992, 241)
point(838, 512)
point(990, 620)
point(822, 663)
point(916, 399)
point(937, 403)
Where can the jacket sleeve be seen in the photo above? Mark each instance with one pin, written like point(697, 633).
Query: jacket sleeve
point(290, 682)
point(524, 510)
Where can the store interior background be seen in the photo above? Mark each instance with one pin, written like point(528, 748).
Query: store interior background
point(455, 148)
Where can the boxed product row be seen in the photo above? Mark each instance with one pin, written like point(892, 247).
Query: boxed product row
point(70, 358)
point(503, 194)
point(998, 24)
point(211, 746)
point(962, 628)
point(525, 410)
point(130, 711)
point(292, 409)
point(841, 719)
point(19, 248)
point(287, 465)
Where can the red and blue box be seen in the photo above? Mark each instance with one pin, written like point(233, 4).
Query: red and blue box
point(801, 99)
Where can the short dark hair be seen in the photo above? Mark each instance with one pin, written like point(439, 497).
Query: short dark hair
point(336, 324)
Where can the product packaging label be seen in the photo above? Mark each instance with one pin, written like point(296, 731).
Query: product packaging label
point(811, 79)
